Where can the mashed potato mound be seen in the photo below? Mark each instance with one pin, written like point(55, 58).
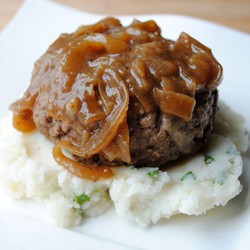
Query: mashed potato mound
point(145, 195)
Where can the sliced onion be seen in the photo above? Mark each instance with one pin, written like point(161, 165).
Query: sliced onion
point(111, 44)
point(111, 124)
point(106, 100)
point(206, 69)
point(99, 27)
point(141, 85)
point(90, 111)
point(176, 104)
point(85, 171)
point(119, 148)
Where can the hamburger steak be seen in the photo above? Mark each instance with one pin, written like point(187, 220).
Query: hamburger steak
point(156, 138)
point(113, 95)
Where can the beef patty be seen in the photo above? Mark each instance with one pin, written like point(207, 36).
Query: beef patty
point(115, 95)
point(155, 138)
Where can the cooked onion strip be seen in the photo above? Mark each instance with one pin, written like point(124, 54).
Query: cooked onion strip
point(176, 104)
point(119, 149)
point(85, 171)
point(111, 124)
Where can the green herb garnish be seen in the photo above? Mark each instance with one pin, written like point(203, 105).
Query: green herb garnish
point(188, 175)
point(208, 159)
point(154, 173)
point(222, 177)
point(220, 182)
point(80, 199)
point(80, 212)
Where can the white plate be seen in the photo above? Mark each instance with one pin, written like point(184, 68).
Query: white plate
point(23, 224)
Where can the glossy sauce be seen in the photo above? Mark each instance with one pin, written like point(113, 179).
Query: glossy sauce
point(88, 77)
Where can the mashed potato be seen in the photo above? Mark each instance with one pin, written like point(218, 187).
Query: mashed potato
point(145, 195)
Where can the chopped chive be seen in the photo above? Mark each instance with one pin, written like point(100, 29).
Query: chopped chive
point(221, 182)
point(80, 212)
point(154, 173)
point(218, 181)
point(208, 159)
point(222, 177)
point(80, 199)
point(189, 174)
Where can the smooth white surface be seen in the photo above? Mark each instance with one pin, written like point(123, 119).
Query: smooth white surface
point(23, 224)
